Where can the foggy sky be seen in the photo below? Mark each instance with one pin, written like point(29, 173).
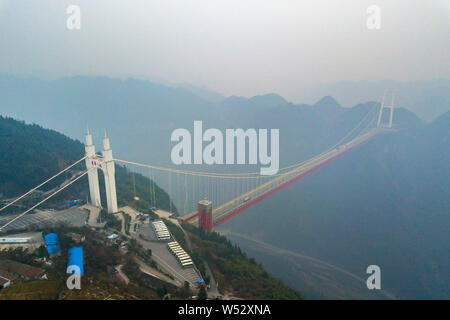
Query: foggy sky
point(235, 47)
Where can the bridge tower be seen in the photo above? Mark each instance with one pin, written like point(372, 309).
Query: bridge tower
point(110, 177)
point(94, 188)
point(204, 211)
point(106, 163)
point(383, 106)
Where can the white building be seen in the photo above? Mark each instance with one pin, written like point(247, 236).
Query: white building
point(15, 240)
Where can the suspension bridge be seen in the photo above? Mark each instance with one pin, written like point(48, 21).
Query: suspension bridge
point(207, 199)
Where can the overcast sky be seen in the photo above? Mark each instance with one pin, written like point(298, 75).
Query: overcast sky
point(235, 47)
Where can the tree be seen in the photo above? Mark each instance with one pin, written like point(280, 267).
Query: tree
point(202, 295)
point(161, 291)
point(42, 252)
point(185, 292)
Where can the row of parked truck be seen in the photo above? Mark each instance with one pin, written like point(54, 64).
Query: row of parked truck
point(183, 258)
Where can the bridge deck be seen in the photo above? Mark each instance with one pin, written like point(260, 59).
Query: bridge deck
point(236, 206)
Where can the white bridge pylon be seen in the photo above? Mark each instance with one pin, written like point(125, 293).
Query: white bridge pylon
point(105, 163)
point(384, 106)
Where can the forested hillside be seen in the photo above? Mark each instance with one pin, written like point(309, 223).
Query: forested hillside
point(30, 154)
point(234, 270)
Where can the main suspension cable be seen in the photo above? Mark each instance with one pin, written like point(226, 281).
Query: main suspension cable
point(35, 188)
point(42, 201)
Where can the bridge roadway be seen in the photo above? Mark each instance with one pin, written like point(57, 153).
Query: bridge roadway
point(234, 207)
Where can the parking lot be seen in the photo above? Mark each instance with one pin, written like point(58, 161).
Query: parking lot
point(162, 256)
point(73, 216)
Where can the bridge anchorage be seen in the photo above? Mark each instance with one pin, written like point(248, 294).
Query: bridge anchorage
point(105, 163)
point(204, 211)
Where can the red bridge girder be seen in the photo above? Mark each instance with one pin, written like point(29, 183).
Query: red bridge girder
point(190, 218)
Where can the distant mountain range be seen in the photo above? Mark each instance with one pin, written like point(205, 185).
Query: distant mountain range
point(132, 111)
point(427, 99)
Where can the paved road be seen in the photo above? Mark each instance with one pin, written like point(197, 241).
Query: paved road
point(94, 213)
point(167, 215)
point(149, 270)
point(123, 275)
point(213, 291)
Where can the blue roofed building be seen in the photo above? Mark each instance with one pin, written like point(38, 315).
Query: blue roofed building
point(51, 243)
point(76, 258)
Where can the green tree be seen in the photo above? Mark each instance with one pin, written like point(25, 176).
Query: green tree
point(161, 291)
point(202, 295)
